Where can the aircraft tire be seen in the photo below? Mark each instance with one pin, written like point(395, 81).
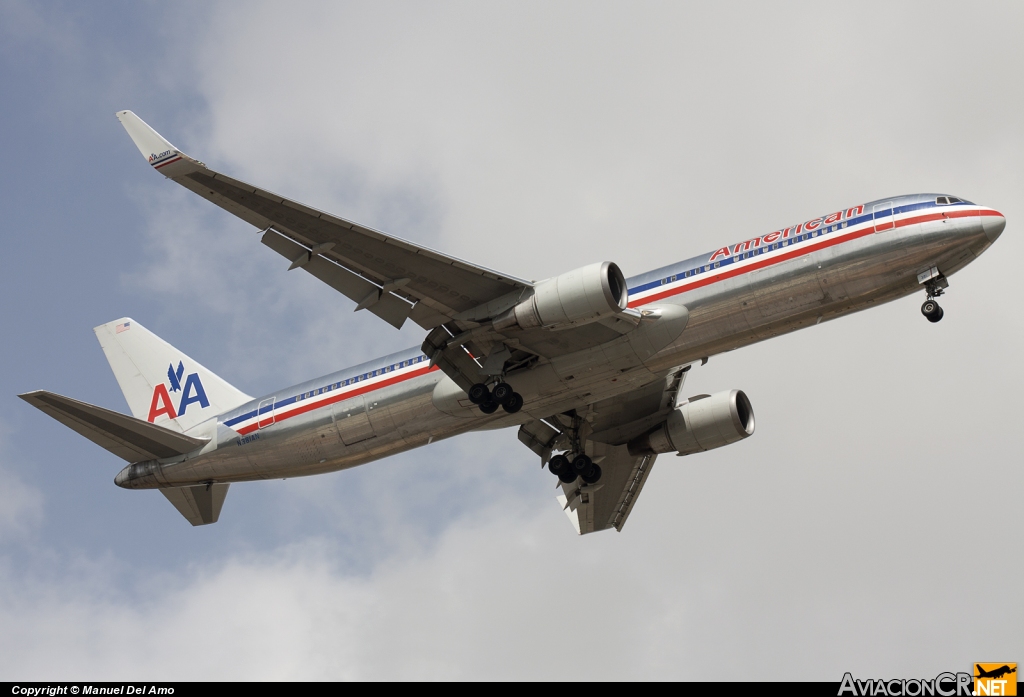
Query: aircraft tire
point(489, 407)
point(568, 476)
point(502, 393)
point(513, 403)
point(558, 464)
point(593, 476)
point(932, 311)
point(581, 463)
point(478, 393)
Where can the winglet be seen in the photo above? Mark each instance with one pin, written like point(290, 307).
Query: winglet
point(160, 154)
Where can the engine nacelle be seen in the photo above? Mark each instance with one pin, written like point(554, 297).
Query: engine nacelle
point(703, 423)
point(577, 297)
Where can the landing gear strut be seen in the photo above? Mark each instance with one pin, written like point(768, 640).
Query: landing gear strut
point(490, 399)
point(930, 309)
point(574, 463)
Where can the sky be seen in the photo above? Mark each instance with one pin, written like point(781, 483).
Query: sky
point(871, 524)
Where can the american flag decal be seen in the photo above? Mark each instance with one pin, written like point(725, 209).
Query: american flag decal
point(122, 327)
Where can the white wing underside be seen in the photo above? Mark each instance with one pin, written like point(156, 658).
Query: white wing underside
point(613, 423)
point(607, 504)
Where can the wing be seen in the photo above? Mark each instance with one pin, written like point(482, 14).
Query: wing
point(605, 429)
point(390, 277)
point(397, 280)
point(607, 504)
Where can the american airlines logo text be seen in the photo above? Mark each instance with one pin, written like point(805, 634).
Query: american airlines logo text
point(786, 233)
point(191, 392)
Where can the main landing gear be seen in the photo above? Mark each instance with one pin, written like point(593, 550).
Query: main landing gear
point(575, 463)
point(490, 399)
point(579, 466)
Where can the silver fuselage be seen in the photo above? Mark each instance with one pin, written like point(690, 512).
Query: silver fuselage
point(738, 295)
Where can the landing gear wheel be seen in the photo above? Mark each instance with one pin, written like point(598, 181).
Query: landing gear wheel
point(489, 407)
point(931, 310)
point(593, 476)
point(581, 463)
point(502, 393)
point(478, 394)
point(514, 403)
point(568, 476)
point(558, 464)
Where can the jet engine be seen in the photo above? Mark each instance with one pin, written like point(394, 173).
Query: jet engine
point(702, 423)
point(577, 297)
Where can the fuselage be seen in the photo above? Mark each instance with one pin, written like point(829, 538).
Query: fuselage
point(744, 292)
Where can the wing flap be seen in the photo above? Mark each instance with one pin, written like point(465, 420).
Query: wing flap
point(367, 295)
point(607, 504)
point(448, 284)
point(125, 436)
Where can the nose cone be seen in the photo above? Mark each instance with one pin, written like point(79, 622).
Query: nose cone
point(993, 223)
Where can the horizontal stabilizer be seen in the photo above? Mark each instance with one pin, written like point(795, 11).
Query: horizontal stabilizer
point(199, 504)
point(129, 438)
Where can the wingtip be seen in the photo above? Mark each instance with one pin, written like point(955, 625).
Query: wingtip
point(153, 146)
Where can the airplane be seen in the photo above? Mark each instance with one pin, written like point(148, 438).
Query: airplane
point(589, 365)
point(996, 673)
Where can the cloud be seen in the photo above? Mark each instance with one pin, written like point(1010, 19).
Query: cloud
point(508, 591)
point(21, 504)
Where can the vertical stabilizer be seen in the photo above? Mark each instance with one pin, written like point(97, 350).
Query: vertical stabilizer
point(199, 504)
point(161, 384)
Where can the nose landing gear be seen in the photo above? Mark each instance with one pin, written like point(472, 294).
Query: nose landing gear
point(935, 284)
point(931, 310)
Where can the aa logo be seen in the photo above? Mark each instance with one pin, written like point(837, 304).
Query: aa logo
point(995, 678)
point(191, 392)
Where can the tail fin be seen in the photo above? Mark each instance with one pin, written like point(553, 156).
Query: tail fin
point(161, 384)
point(199, 504)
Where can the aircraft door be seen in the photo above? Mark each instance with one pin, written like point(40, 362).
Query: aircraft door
point(265, 413)
point(380, 416)
point(884, 216)
point(351, 420)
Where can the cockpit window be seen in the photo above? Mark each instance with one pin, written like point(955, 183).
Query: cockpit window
point(942, 200)
point(954, 199)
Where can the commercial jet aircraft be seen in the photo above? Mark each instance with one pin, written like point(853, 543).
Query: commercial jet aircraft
point(588, 365)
